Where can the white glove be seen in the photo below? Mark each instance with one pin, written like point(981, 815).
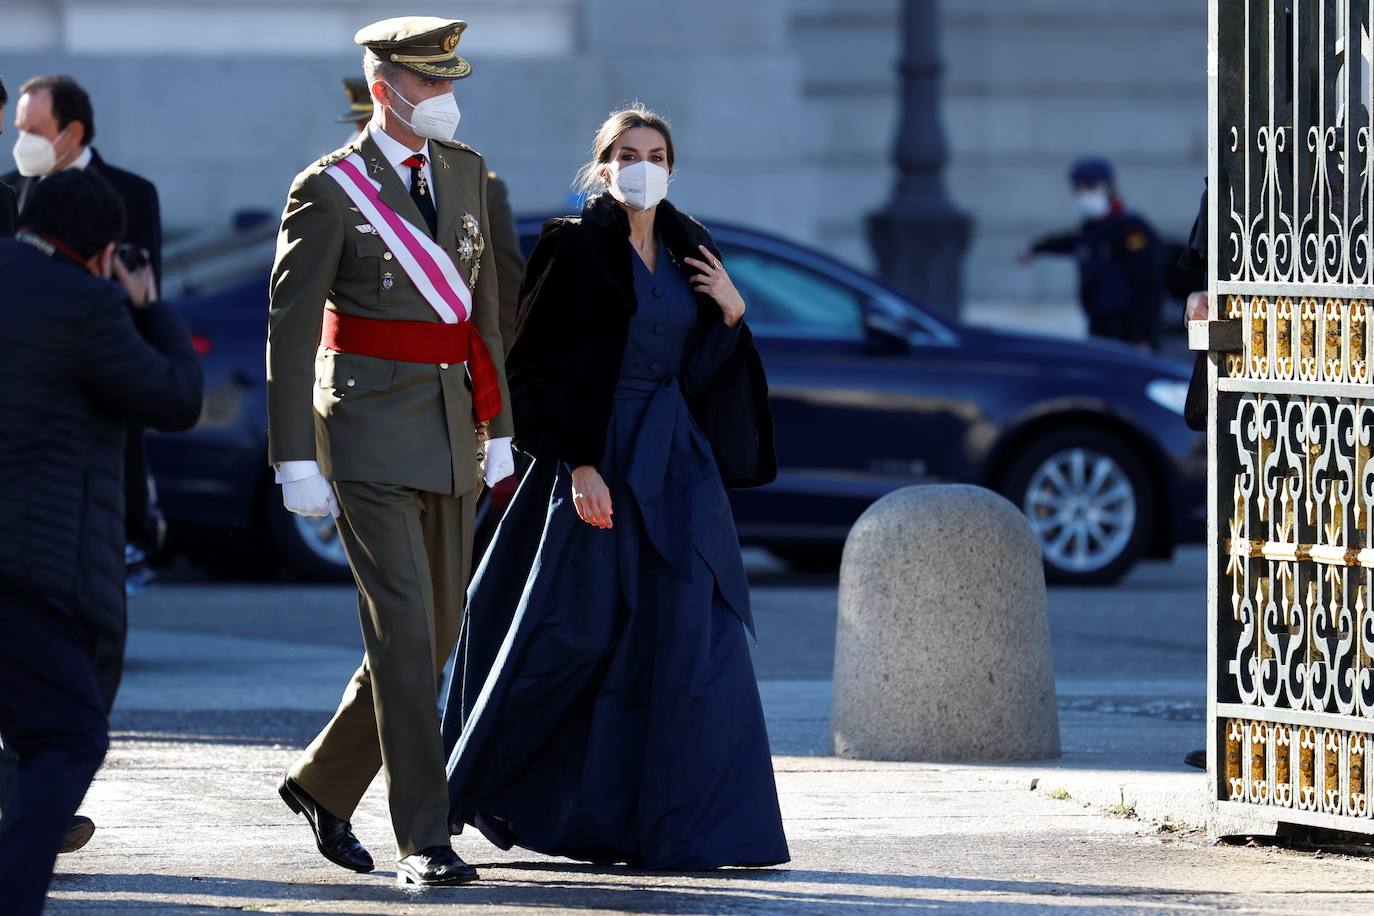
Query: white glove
point(500, 463)
point(304, 490)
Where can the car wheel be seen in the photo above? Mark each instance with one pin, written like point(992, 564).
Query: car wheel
point(309, 547)
point(1088, 499)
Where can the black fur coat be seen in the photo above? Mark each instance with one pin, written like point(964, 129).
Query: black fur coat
point(575, 308)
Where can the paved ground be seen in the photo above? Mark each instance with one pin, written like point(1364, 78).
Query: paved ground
point(225, 682)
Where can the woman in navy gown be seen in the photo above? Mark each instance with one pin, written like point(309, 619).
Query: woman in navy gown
point(603, 705)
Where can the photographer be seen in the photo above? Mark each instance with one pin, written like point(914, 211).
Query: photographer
point(80, 360)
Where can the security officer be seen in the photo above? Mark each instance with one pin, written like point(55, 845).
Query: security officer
point(1119, 275)
point(373, 419)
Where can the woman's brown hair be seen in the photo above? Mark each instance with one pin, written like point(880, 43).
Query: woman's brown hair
point(589, 180)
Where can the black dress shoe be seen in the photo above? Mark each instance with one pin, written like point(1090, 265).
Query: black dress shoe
point(333, 837)
point(437, 866)
point(78, 834)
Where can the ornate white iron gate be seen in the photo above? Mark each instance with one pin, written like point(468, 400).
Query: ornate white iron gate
point(1291, 631)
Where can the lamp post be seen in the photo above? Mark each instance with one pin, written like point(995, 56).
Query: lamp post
point(920, 237)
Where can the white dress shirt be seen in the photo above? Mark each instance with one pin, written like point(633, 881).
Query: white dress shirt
point(396, 153)
point(80, 162)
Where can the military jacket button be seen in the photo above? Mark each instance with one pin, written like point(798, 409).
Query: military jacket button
point(443, 365)
point(351, 383)
point(387, 256)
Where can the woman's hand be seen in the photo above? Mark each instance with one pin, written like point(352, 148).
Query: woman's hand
point(716, 283)
point(591, 497)
point(1196, 309)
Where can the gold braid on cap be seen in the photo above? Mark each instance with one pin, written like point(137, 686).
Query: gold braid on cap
point(421, 58)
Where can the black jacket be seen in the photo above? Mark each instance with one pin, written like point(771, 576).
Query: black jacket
point(9, 211)
point(76, 367)
point(142, 212)
point(1193, 262)
point(575, 308)
point(1118, 271)
point(143, 227)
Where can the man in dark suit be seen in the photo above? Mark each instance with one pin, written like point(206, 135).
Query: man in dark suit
point(80, 360)
point(9, 210)
point(56, 124)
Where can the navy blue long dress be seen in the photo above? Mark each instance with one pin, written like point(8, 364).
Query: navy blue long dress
point(603, 705)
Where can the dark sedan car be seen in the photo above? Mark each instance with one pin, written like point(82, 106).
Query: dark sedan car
point(870, 393)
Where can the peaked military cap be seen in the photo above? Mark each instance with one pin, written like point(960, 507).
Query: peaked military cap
point(359, 100)
point(426, 45)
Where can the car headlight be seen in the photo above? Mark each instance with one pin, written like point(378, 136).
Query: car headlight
point(1168, 393)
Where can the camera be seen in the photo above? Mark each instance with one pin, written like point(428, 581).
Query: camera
point(132, 256)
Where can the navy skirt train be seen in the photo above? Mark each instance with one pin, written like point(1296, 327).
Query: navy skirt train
point(603, 705)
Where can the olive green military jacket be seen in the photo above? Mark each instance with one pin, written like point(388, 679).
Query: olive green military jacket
point(510, 264)
point(360, 418)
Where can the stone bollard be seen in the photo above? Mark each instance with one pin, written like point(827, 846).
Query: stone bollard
point(942, 649)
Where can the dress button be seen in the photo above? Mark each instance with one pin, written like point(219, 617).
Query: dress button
point(658, 293)
point(443, 365)
point(351, 383)
point(387, 256)
point(658, 329)
point(654, 367)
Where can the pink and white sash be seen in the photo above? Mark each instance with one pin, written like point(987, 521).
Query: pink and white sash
point(428, 266)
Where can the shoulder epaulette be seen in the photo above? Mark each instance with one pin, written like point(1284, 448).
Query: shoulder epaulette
point(326, 161)
point(458, 144)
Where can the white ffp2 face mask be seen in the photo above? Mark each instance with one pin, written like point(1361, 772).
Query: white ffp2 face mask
point(35, 156)
point(640, 186)
point(1094, 203)
point(434, 118)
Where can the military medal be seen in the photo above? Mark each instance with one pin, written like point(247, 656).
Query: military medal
point(388, 281)
point(470, 248)
point(420, 186)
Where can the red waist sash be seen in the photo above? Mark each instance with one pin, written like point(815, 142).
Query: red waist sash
point(419, 342)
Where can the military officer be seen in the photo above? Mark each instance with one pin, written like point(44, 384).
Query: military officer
point(359, 111)
point(386, 399)
point(1120, 280)
point(510, 264)
point(504, 236)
